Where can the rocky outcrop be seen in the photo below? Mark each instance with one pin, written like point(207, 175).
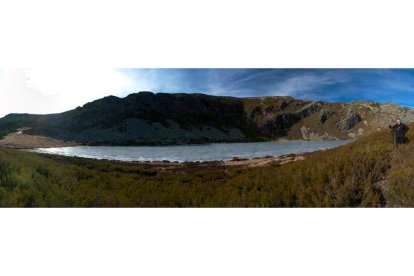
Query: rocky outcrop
point(350, 120)
point(279, 124)
point(308, 135)
point(323, 118)
point(325, 114)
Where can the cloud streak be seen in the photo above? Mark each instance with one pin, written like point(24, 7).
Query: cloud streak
point(303, 85)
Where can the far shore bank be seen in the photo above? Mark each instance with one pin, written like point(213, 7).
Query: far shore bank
point(20, 140)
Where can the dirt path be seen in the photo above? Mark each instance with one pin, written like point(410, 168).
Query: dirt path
point(19, 140)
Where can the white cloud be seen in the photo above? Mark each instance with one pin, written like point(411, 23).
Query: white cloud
point(44, 91)
point(296, 85)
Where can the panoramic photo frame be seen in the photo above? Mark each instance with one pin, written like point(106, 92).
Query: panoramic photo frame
point(206, 137)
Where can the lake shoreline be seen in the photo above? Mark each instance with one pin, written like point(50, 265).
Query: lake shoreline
point(20, 140)
point(172, 166)
point(166, 165)
point(32, 143)
point(233, 153)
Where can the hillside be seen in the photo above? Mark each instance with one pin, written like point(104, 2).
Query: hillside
point(365, 173)
point(148, 118)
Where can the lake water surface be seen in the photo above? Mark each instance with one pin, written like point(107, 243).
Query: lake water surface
point(183, 153)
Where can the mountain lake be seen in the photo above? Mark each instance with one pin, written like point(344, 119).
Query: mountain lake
point(192, 153)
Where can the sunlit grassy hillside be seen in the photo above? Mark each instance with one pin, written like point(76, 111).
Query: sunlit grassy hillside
point(368, 172)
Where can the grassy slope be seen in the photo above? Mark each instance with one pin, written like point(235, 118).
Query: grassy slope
point(399, 189)
point(344, 176)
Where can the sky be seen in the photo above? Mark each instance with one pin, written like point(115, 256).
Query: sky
point(52, 90)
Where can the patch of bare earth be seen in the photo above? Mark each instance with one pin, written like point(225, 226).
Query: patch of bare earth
point(19, 140)
point(263, 161)
point(215, 165)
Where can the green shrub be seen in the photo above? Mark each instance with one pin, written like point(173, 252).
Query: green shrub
point(43, 171)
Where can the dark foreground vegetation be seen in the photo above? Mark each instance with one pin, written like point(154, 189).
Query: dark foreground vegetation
point(365, 173)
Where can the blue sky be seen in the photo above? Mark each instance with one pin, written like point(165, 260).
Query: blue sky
point(51, 90)
point(338, 85)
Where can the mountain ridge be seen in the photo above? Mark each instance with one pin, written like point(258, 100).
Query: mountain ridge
point(147, 118)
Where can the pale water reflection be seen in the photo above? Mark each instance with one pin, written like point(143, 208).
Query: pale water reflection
point(183, 153)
